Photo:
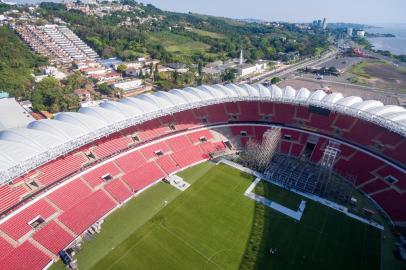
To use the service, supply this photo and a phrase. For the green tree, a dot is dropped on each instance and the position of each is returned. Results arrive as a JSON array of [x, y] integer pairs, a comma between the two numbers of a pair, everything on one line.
[[229, 75], [275, 80], [105, 89], [122, 68]]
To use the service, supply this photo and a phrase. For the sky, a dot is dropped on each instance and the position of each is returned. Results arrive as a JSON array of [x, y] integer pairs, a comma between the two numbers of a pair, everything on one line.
[[356, 11]]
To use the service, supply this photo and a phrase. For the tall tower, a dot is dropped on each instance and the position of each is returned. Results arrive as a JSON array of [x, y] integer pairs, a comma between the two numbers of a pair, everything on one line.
[[241, 58], [324, 25]]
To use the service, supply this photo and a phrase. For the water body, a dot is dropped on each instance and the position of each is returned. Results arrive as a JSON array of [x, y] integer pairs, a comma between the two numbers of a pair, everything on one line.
[[396, 45]]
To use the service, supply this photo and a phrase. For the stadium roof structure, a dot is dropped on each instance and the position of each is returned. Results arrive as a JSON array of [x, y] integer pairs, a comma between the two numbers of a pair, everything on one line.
[[12, 114], [24, 149]]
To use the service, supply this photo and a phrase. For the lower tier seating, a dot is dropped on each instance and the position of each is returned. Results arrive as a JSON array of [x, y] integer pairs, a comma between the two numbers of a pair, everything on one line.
[[143, 176], [19, 225], [25, 257], [118, 190], [53, 237], [87, 212]]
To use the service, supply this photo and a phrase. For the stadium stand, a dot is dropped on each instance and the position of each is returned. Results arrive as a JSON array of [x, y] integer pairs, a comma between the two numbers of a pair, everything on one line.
[[118, 190], [155, 150], [5, 248], [24, 257], [142, 177], [70, 194], [22, 223], [53, 237], [375, 158], [167, 164], [89, 210], [131, 161], [109, 146], [195, 137], [10, 196], [61, 167], [189, 156], [101, 174]]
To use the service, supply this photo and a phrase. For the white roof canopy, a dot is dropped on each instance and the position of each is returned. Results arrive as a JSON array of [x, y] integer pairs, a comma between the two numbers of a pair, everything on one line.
[[24, 148]]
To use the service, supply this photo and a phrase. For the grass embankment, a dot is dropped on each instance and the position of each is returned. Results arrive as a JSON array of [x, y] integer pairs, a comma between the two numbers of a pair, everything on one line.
[[181, 45]]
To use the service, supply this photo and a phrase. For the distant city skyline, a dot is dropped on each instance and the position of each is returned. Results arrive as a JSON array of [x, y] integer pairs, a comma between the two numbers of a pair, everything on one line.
[[360, 11]]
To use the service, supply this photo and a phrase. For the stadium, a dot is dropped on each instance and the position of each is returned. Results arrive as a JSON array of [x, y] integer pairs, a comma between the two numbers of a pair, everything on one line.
[[100, 188]]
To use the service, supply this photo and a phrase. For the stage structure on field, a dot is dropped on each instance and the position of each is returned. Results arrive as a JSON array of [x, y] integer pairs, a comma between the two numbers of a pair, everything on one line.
[[258, 155]]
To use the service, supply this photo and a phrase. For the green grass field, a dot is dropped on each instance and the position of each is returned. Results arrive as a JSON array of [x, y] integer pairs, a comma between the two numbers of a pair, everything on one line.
[[276, 194], [212, 225], [179, 44], [207, 33]]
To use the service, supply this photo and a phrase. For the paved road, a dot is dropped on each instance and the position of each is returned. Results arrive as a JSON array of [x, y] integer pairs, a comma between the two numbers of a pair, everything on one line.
[[292, 68]]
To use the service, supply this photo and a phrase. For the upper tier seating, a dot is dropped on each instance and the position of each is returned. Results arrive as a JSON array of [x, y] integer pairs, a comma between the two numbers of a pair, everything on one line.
[[87, 212], [53, 237], [216, 114], [60, 168], [232, 108], [185, 120], [10, 196], [284, 114], [249, 111], [111, 145], [151, 129]]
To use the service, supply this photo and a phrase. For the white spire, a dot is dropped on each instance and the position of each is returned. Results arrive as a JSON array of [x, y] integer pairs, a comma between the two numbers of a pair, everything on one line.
[[241, 58]]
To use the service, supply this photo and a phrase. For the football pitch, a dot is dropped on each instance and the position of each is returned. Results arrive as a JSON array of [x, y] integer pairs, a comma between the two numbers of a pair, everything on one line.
[[212, 225]]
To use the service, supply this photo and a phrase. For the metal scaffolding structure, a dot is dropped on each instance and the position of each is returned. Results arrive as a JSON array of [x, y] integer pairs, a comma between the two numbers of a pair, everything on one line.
[[327, 161], [257, 156]]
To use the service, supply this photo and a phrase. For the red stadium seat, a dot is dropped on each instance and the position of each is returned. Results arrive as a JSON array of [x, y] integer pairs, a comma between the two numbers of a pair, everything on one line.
[[10, 196], [53, 237], [167, 164], [143, 176], [94, 177], [60, 168], [5, 248], [189, 156], [87, 212], [25, 257], [109, 146], [131, 161], [195, 136], [17, 226], [178, 143], [118, 190], [70, 194], [151, 150]]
